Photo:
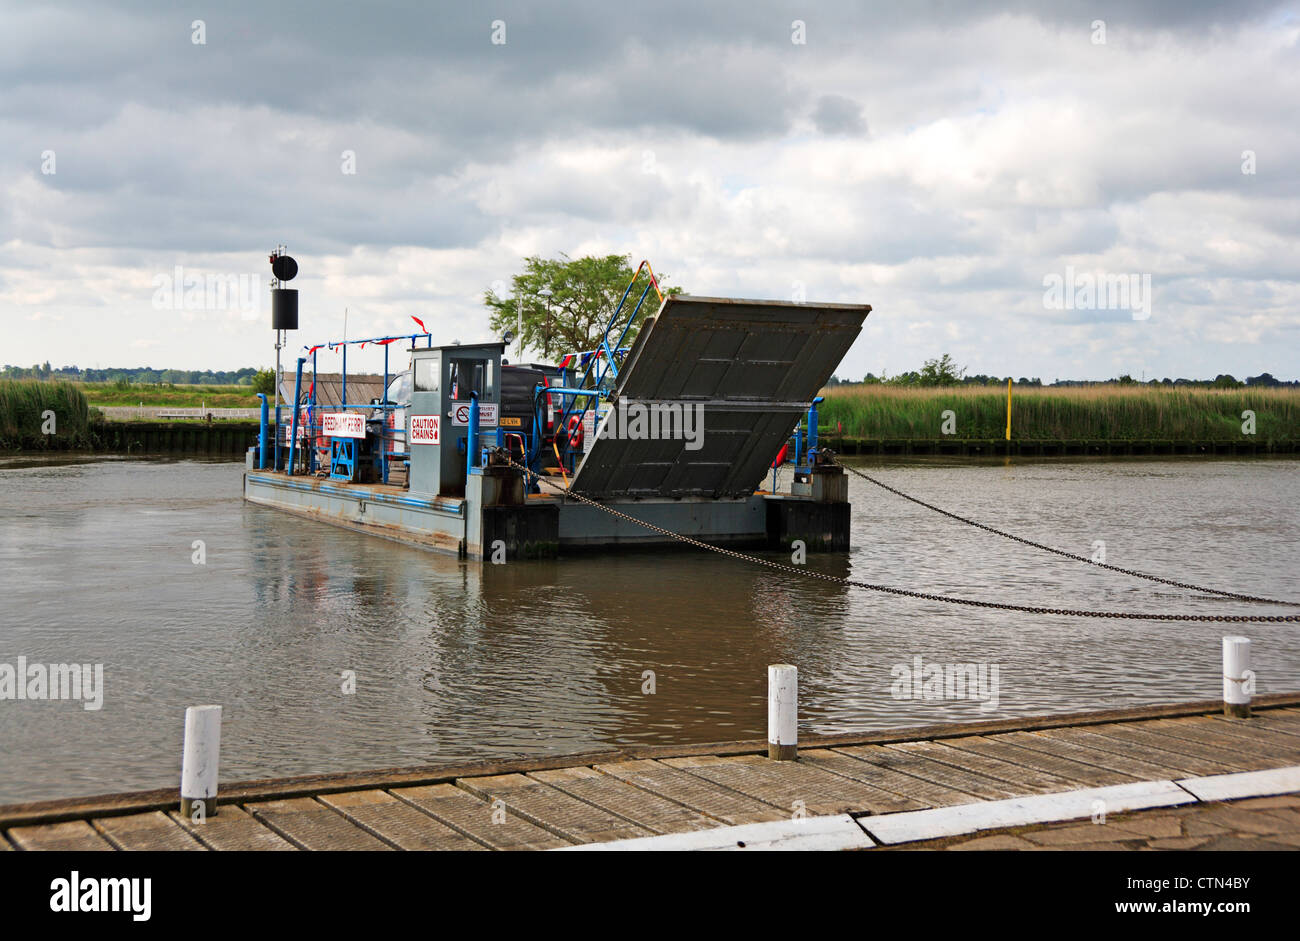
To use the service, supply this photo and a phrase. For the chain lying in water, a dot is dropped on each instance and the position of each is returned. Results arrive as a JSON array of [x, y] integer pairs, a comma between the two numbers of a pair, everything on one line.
[[1068, 555], [903, 592]]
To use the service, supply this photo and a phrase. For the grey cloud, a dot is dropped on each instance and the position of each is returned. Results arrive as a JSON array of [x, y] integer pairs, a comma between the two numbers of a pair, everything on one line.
[[836, 114]]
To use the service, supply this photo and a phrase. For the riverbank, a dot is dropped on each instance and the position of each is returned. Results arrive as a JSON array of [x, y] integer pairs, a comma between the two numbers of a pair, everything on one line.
[[1099, 414], [858, 420], [1000, 447], [41, 416]]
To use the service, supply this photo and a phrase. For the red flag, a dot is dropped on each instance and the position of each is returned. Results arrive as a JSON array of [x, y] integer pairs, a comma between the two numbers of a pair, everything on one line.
[[385, 342], [420, 322], [315, 348]]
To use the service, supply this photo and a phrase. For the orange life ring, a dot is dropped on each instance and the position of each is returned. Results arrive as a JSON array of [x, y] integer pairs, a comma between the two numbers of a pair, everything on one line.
[[573, 432]]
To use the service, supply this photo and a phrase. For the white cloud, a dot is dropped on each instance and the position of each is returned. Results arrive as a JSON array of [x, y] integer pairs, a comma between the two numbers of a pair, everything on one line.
[[988, 153]]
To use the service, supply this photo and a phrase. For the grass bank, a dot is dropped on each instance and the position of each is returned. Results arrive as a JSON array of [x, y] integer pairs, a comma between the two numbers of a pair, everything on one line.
[[105, 394], [25, 422], [1104, 413]]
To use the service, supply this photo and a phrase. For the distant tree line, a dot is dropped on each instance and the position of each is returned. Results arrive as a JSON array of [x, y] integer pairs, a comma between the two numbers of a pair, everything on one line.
[[142, 375], [945, 372]]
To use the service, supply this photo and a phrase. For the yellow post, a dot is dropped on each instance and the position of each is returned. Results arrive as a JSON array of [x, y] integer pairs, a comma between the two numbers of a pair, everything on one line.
[[1008, 408]]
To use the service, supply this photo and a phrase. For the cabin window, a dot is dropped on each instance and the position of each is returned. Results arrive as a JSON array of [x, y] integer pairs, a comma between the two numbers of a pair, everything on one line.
[[472, 375], [426, 374]]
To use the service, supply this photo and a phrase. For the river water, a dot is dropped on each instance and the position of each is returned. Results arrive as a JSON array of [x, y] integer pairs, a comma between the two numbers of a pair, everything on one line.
[[458, 660]]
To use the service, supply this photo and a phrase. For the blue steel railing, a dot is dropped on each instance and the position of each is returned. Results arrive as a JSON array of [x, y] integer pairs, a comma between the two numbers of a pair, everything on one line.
[[313, 427]]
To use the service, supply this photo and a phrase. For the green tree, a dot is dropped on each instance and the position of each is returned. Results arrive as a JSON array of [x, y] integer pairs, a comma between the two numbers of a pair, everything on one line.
[[264, 381], [941, 372], [584, 295]]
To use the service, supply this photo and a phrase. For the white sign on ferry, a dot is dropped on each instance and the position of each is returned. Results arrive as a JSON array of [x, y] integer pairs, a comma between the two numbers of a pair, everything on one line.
[[344, 425], [424, 429], [303, 430]]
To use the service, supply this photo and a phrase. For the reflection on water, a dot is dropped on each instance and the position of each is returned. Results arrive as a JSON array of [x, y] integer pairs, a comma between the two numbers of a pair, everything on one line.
[[458, 660]]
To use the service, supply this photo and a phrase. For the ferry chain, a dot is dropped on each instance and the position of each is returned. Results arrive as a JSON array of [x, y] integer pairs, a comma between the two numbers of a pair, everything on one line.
[[1061, 552], [902, 592]]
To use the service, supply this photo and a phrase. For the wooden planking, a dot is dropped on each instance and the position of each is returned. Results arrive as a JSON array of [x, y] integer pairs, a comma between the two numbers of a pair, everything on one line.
[[1258, 741], [907, 761], [654, 813], [839, 832], [682, 787], [1274, 725], [556, 804], [311, 825], [1005, 746], [1022, 780], [397, 822], [551, 809], [783, 783], [1173, 766], [919, 792], [1158, 747], [1050, 742], [830, 790], [1274, 708], [233, 829], [1237, 760], [464, 812], [76, 835], [1273, 720], [152, 831]]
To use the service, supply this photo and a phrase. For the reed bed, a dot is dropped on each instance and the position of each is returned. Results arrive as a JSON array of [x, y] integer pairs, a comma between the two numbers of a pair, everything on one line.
[[23, 403], [1101, 413]]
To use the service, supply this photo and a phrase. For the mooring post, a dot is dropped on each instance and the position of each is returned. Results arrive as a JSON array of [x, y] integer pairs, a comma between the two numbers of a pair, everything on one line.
[[199, 764], [782, 712], [1236, 677]]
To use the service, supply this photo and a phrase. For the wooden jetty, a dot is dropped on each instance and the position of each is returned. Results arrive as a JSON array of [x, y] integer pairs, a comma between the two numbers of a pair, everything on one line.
[[632, 793]]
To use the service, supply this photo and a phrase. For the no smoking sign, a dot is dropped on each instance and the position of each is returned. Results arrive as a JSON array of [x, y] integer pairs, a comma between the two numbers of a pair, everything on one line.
[[487, 414]]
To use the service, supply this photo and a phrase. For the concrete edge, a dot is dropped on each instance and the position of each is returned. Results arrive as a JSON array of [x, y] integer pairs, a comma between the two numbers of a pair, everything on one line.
[[1094, 802], [829, 832], [1241, 784]]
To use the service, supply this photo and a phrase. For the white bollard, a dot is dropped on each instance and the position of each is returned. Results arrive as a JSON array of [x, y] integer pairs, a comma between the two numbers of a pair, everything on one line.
[[199, 764], [782, 712], [1237, 678]]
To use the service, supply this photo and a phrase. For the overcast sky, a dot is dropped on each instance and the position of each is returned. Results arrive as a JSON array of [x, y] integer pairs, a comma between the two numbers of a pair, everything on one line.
[[935, 160]]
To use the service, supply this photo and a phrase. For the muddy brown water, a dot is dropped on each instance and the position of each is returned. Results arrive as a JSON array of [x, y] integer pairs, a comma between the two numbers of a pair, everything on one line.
[[457, 660]]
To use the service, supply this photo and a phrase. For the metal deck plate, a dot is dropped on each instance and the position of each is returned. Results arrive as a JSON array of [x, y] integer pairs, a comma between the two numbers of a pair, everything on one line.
[[755, 366]]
